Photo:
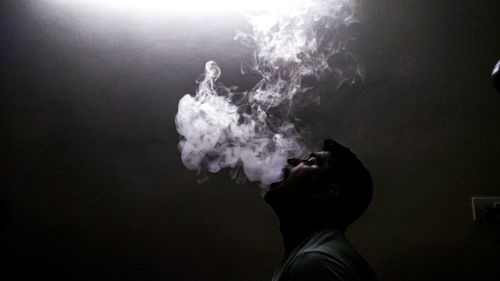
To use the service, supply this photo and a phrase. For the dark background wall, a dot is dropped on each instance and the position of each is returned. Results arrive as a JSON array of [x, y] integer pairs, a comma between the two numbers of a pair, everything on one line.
[[92, 178]]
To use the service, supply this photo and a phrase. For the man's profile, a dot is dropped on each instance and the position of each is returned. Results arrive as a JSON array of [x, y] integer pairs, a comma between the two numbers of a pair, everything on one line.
[[315, 202]]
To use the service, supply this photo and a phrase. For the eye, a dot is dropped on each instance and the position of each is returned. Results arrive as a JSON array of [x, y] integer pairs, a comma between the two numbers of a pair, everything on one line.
[[311, 161]]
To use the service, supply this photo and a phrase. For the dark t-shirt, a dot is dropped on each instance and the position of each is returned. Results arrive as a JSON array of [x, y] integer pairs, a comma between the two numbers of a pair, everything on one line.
[[324, 256]]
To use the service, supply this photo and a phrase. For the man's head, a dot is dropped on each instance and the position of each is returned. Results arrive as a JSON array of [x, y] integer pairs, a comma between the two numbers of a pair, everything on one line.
[[331, 187]]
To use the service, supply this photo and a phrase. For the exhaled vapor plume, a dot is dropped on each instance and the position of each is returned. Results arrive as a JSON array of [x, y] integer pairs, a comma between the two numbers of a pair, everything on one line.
[[254, 131]]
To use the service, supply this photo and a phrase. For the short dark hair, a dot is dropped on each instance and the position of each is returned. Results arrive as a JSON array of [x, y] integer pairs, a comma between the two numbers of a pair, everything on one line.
[[354, 180]]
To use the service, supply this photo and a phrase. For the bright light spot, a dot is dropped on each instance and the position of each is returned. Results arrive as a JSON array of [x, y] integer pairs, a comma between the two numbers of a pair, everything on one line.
[[188, 6]]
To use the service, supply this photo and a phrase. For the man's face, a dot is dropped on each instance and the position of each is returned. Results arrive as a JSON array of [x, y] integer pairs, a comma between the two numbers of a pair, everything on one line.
[[302, 177]]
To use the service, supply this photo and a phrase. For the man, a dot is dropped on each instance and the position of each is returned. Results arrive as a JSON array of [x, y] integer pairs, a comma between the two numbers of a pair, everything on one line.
[[317, 200]]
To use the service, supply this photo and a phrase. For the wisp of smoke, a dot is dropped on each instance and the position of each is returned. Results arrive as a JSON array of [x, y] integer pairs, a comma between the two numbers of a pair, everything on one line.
[[254, 131]]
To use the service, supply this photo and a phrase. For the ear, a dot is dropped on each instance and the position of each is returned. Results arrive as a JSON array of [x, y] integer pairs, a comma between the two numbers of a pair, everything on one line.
[[328, 191]]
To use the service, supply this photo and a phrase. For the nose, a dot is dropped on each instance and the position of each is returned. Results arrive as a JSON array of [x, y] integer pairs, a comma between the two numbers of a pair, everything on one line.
[[293, 162]]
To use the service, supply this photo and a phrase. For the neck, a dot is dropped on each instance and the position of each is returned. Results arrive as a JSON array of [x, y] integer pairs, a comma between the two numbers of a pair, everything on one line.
[[296, 229]]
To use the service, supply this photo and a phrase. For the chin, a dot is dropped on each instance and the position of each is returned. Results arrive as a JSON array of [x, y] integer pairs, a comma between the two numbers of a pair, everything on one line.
[[276, 185], [272, 194], [273, 185]]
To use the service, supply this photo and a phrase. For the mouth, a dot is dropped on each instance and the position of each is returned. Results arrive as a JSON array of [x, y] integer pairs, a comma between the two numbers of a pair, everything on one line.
[[274, 185], [286, 173]]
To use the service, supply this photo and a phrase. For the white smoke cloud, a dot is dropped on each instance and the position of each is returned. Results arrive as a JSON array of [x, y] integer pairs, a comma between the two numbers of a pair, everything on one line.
[[255, 131]]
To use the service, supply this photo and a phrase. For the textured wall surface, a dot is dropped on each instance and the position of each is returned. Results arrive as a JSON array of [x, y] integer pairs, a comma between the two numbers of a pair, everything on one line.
[[92, 178]]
